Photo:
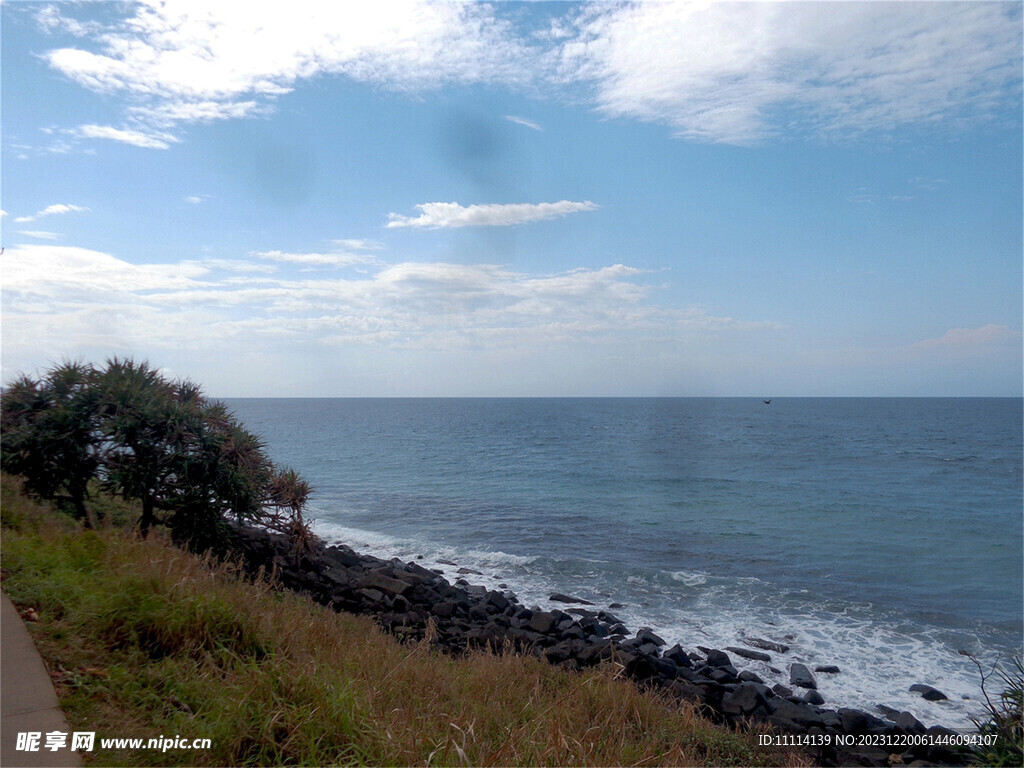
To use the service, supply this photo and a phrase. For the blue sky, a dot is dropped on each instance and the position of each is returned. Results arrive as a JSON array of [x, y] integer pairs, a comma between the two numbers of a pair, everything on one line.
[[424, 199]]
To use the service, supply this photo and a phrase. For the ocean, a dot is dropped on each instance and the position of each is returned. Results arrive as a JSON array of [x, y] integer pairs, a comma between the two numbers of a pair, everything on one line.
[[879, 535]]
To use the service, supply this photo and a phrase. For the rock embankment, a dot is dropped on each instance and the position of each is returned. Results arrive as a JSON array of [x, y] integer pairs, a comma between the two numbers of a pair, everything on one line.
[[406, 599]]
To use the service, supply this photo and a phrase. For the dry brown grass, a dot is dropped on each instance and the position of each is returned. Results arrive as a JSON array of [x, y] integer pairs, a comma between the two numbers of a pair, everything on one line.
[[147, 640]]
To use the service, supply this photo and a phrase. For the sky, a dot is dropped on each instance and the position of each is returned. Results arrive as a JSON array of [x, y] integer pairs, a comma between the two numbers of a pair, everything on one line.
[[411, 198]]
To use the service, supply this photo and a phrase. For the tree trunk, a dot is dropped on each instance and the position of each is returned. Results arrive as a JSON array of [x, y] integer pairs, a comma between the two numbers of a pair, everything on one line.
[[147, 519]]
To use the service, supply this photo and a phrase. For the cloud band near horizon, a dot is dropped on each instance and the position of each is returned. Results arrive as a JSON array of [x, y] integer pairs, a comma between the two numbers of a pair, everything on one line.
[[451, 215]]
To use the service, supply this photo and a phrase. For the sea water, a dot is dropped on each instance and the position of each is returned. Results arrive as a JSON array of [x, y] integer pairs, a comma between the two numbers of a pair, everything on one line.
[[883, 536]]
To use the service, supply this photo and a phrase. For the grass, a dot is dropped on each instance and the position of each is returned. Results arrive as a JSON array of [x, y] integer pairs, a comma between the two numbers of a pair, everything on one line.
[[145, 640]]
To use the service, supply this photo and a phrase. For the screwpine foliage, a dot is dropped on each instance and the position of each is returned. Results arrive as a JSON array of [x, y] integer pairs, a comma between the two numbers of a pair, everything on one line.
[[186, 459], [1004, 715]]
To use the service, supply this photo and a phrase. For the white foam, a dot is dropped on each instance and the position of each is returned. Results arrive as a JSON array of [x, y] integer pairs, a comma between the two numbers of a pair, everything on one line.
[[689, 578], [879, 659]]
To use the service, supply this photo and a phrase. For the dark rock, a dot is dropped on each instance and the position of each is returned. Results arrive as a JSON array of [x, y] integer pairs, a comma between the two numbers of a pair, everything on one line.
[[801, 676], [640, 666], [813, 697], [830, 669], [747, 654], [609, 618], [802, 715], [717, 658], [767, 645], [929, 693], [582, 613], [678, 655], [858, 723], [909, 723], [782, 690], [560, 598], [744, 700], [618, 629], [602, 650], [559, 651], [542, 622], [574, 632], [887, 712], [645, 635], [723, 675], [498, 600], [867, 755], [749, 677], [469, 571]]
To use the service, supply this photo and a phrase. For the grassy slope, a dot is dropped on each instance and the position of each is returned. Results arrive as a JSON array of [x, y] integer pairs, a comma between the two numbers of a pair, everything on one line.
[[144, 640]]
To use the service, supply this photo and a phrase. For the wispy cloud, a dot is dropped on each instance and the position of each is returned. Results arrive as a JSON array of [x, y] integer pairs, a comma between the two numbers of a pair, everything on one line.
[[973, 338], [317, 259], [523, 121], [743, 72], [50, 210], [408, 305], [448, 215], [719, 72], [144, 139], [187, 61], [40, 234], [357, 244]]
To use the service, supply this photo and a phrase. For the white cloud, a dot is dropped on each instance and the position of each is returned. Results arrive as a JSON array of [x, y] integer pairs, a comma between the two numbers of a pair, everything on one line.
[[440, 215], [741, 72], [39, 234], [713, 71], [193, 199], [51, 20], [144, 139], [972, 338], [192, 61], [523, 121], [50, 210], [316, 259], [409, 305], [357, 244]]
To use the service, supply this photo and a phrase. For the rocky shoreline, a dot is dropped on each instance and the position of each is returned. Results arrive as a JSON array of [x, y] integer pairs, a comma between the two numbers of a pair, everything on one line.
[[411, 601]]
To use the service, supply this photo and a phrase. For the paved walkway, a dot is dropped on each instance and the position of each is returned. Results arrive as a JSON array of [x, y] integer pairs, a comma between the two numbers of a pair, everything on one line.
[[27, 700]]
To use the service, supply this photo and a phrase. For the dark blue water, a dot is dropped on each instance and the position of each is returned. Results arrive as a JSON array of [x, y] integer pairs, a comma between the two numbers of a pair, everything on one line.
[[881, 535]]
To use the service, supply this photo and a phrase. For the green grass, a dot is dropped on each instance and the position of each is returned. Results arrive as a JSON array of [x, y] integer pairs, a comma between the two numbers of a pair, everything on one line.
[[144, 640]]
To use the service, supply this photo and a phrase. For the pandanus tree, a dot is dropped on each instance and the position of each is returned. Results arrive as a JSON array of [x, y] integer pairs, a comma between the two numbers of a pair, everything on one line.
[[186, 459], [50, 433]]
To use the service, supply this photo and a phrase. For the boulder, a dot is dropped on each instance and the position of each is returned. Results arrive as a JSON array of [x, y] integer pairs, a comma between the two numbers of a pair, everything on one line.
[[887, 712], [542, 622], [767, 645], [800, 676], [717, 658], [645, 635], [744, 700], [829, 669], [813, 697], [678, 655], [748, 654], [560, 598], [929, 693], [909, 723]]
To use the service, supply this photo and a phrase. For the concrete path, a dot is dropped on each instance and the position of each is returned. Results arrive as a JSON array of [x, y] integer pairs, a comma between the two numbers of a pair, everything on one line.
[[28, 703]]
